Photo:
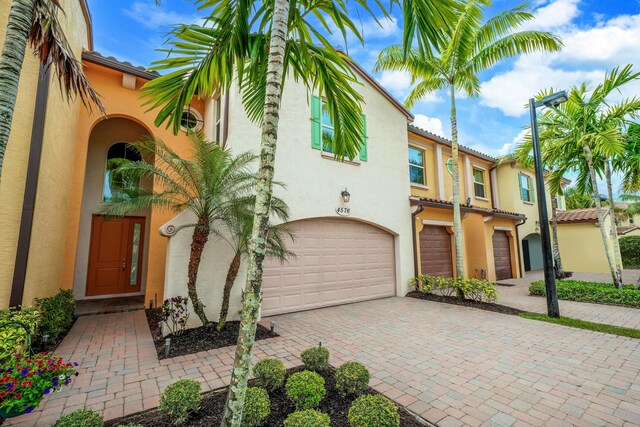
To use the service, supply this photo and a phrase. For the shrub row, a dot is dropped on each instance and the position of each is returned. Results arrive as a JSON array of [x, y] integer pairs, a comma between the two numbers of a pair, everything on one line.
[[630, 251], [600, 293], [474, 289]]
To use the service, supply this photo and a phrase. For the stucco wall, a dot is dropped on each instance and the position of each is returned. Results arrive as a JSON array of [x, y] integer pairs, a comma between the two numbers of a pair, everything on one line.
[[581, 247], [379, 187], [46, 255]]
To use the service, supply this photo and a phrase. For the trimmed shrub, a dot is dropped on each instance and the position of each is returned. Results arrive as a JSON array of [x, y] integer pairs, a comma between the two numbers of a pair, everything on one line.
[[305, 389], [180, 398], [478, 290], [13, 337], [599, 293], [373, 410], [473, 289], [308, 418], [270, 373], [80, 418], [316, 358], [257, 407], [57, 314], [630, 251], [352, 378]]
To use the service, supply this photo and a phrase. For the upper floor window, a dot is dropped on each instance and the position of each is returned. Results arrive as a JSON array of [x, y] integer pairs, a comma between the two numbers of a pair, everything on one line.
[[116, 184], [416, 166], [478, 183], [526, 188], [322, 130]]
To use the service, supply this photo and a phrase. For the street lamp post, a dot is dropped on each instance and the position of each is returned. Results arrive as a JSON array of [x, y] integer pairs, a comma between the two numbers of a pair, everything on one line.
[[553, 310]]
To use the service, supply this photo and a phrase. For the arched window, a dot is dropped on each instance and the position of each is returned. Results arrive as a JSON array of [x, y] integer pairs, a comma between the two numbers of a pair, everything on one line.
[[116, 185]]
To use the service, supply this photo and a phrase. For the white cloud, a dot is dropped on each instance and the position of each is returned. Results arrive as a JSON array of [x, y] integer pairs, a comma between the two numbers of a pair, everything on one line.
[[430, 124], [151, 16], [555, 14], [384, 28]]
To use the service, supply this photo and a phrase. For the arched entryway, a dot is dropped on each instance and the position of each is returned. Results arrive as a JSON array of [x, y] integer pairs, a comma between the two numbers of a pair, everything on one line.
[[112, 253], [337, 261], [532, 252]]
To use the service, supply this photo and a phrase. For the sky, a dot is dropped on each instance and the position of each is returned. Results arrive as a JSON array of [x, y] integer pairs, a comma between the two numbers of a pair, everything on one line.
[[597, 34]]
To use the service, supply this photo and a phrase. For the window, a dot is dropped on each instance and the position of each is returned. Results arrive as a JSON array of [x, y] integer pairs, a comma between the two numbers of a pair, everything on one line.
[[190, 121], [322, 131], [218, 118], [478, 183], [327, 130], [526, 188], [116, 184], [416, 166]]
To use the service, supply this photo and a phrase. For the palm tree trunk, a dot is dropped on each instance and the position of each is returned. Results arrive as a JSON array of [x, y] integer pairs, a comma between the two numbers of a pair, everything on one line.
[[457, 219], [258, 244], [198, 241], [617, 280], [557, 261], [232, 273], [15, 45], [614, 226]]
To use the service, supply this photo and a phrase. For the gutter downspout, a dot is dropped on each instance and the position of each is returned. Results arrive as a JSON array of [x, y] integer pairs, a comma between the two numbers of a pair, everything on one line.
[[30, 189], [518, 244], [413, 233]]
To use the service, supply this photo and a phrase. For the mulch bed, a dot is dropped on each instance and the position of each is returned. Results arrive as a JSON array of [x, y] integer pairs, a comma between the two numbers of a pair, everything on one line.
[[195, 340], [212, 406], [497, 308]]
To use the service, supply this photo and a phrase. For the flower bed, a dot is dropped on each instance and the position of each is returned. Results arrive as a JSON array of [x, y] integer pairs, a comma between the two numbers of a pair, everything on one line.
[[594, 292]]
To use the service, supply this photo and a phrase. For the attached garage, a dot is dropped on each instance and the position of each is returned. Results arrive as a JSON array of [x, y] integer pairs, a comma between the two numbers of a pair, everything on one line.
[[435, 251], [502, 255], [337, 261]]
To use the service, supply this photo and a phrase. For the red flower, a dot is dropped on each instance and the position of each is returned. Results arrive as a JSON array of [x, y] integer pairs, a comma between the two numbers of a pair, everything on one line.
[[26, 383], [17, 396], [3, 394]]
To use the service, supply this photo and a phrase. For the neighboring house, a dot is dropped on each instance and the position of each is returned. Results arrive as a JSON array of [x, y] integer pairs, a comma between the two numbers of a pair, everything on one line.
[[628, 230], [490, 242]]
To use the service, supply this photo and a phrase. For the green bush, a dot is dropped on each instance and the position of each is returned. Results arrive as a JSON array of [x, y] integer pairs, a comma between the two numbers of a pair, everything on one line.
[[599, 293], [257, 407], [473, 289], [434, 284], [57, 314], [373, 410], [80, 418], [270, 373], [13, 337], [180, 398], [478, 290], [130, 425], [316, 359], [630, 251], [308, 418], [305, 389], [352, 378]]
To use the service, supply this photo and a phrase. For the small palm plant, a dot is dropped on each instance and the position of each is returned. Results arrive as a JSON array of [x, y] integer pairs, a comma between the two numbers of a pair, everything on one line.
[[211, 184], [237, 233]]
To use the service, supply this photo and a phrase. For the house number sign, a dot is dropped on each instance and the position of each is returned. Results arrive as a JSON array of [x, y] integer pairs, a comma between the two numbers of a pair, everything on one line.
[[343, 211]]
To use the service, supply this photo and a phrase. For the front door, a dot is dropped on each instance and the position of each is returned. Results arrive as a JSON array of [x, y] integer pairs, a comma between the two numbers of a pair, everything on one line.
[[115, 255]]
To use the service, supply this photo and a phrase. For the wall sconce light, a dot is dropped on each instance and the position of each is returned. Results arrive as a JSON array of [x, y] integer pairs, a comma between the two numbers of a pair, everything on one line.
[[346, 196], [468, 200]]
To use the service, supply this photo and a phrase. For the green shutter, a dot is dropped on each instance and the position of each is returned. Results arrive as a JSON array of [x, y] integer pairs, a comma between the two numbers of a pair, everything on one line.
[[520, 186], [316, 123], [533, 190], [363, 149]]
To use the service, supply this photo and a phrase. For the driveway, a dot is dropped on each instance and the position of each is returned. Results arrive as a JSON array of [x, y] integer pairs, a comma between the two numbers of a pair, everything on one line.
[[451, 365]]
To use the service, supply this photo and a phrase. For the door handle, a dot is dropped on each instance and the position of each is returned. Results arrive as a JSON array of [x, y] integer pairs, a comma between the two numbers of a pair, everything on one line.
[[124, 263]]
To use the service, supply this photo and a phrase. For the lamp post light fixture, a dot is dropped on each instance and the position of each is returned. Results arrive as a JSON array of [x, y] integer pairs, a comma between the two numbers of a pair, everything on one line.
[[553, 101], [346, 196]]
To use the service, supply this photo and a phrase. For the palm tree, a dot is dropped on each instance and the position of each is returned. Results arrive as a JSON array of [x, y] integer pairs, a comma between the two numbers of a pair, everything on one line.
[[584, 134], [470, 48], [575, 199], [211, 184], [237, 234], [258, 45], [35, 22], [629, 164]]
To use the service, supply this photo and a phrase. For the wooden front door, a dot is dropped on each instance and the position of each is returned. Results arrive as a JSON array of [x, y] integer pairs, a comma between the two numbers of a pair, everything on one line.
[[115, 255]]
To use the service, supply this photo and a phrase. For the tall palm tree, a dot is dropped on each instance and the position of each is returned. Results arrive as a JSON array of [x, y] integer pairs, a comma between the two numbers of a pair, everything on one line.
[[584, 134], [575, 199], [629, 164], [470, 48], [236, 232], [211, 184], [258, 44], [35, 22]]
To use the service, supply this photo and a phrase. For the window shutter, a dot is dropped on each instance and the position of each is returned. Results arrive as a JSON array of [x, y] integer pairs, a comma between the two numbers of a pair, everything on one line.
[[316, 123], [363, 149], [520, 186], [533, 190]]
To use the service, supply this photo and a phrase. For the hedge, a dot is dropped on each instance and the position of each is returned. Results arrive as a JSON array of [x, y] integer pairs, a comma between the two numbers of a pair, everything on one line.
[[595, 292], [630, 250]]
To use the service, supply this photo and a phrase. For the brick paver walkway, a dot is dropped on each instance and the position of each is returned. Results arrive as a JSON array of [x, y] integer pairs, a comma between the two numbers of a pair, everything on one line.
[[518, 296], [453, 365]]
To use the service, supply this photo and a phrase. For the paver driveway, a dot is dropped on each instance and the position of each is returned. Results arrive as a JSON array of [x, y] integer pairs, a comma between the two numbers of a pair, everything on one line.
[[452, 365]]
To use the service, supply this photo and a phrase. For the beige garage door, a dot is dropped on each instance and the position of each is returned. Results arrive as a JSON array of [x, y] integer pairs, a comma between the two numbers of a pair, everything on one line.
[[338, 261]]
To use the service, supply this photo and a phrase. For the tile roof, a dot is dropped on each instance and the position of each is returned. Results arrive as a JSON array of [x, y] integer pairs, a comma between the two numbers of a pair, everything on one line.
[[467, 207], [116, 64], [426, 134], [625, 229], [578, 215]]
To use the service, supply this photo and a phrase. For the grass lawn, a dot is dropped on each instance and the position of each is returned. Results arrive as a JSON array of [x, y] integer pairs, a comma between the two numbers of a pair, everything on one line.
[[581, 324]]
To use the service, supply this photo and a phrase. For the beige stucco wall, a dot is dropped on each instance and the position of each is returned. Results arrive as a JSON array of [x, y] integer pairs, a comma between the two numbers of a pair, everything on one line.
[[54, 186], [581, 247], [379, 187]]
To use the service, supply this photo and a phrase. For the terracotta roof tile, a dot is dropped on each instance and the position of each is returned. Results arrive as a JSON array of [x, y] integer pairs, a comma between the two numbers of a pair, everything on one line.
[[627, 229], [467, 207], [578, 215]]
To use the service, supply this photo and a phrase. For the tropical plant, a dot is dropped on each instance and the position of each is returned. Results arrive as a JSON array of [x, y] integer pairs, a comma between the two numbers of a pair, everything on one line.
[[629, 164], [584, 134], [470, 48], [576, 199], [210, 184], [17, 326], [35, 22]]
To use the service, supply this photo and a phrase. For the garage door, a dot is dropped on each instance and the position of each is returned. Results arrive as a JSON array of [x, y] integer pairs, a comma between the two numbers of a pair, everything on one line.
[[435, 251], [338, 261], [502, 255]]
